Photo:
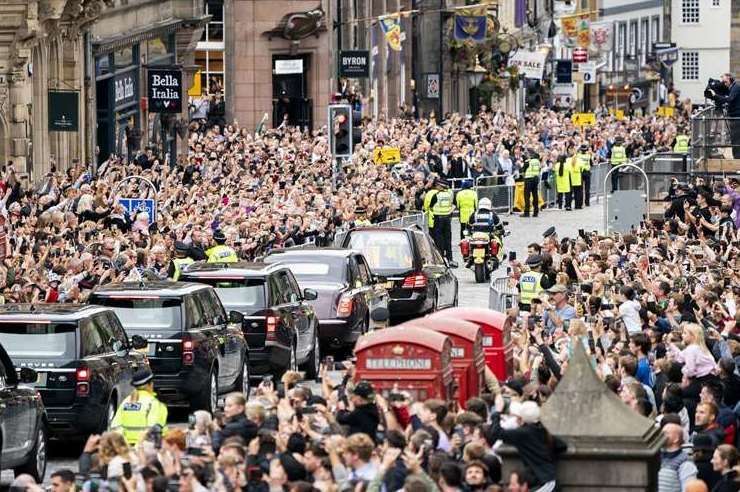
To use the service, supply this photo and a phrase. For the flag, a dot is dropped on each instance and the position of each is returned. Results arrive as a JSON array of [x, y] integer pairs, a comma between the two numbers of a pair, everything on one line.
[[392, 29], [570, 28], [470, 27], [520, 13], [583, 36], [601, 35], [373, 49]]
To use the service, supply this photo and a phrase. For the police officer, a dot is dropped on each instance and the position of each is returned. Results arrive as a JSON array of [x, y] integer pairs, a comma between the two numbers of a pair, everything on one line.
[[361, 220], [576, 183], [583, 159], [467, 202], [562, 182], [441, 205], [140, 411], [427, 208], [618, 156], [180, 260], [530, 283], [485, 219], [531, 184], [221, 253]]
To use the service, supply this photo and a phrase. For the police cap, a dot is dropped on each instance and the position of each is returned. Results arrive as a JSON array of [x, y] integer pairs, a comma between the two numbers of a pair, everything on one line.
[[181, 247], [583, 148], [549, 232], [142, 377], [534, 260], [219, 236]]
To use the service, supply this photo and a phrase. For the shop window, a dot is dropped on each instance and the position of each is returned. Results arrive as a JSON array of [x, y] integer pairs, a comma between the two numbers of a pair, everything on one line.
[[102, 65], [158, 50], [124, 57]]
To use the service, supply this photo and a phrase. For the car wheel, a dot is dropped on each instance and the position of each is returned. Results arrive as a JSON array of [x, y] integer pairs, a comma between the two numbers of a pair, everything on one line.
[[36, 464], [208, 398], [293, 364], [110, 413], [242, 382], [312, 368]]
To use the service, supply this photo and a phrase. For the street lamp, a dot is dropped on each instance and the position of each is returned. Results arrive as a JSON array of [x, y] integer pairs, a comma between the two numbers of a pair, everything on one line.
[[476, 73]]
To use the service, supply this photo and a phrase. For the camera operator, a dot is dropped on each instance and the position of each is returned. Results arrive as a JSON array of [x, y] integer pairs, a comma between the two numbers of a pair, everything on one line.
[[732, 101]]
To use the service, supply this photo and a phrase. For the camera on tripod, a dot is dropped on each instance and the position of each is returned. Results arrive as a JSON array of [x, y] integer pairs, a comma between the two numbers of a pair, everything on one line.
[[717, 86]]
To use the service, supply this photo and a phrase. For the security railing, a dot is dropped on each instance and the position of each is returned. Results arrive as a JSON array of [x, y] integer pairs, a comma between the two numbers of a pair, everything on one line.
[[415, 219], [502, 294], [711, 137]]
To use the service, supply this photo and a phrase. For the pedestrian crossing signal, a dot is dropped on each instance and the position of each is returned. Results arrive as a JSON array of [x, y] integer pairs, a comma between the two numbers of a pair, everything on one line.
[[340, 130]]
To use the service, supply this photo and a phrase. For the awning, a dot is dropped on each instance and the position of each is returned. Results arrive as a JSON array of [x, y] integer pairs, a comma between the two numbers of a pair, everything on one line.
[[163, 28]]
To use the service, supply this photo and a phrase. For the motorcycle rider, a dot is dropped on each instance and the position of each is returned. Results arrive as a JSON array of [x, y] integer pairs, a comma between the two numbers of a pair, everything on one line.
[[485, 219]]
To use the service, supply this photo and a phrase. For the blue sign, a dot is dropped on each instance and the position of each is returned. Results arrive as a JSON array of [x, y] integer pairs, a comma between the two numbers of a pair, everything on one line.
[[136, 205]]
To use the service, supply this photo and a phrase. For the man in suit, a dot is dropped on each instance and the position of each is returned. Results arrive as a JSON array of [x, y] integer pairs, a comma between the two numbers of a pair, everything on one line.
[[732, 103]]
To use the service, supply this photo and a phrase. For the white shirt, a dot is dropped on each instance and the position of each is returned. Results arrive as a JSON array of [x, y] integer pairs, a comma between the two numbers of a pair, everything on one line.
[[630, 313]]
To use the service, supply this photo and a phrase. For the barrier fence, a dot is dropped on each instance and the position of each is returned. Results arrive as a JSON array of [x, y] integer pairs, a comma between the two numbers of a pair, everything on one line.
[[416, 219], [502, 295]]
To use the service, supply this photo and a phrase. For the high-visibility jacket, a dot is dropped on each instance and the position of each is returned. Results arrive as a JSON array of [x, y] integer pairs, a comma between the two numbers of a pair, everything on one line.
[[362, 223], [467, 203], [575, 171], [443, 205], [584, 161], [682, 144], [221, 254], [533, 169], [562, 183], [530, 287], [179, 264], [619, 155], [427, 205], [138, 413]]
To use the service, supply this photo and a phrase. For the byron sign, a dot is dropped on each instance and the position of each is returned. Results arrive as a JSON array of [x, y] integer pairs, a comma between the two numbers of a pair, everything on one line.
[[164, 90]]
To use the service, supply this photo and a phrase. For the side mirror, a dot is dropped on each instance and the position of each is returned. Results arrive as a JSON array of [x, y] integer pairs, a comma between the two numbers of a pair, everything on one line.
[[138, 342], [310, 294], [27, 375], [236, 317], [119, 348]]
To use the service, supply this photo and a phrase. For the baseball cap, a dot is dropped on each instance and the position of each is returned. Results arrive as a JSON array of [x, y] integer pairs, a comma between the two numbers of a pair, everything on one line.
[[363, 389], [557, 289]]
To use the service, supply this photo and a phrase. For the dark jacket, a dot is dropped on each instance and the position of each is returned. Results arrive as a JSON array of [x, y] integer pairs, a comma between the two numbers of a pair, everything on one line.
[[732, 100], [236, 426], [728, 483], [537, 448], [364, 418]]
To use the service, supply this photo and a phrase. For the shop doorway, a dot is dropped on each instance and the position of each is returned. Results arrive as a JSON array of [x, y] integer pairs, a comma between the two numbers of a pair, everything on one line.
[[290, 91]]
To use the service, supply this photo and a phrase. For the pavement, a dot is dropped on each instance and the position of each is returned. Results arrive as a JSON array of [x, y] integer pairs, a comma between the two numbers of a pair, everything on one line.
[[523, 231]]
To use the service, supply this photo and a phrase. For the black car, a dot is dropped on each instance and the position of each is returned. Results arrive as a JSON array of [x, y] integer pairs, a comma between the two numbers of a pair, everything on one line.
[[22, 420], [417, 277], [83, 358], [194, 350], [348, 292], [279, 323]]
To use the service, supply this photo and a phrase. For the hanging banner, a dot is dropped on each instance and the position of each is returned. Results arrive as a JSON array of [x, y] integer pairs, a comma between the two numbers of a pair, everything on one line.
[[470, 26], [164, 88], [530, 63], [583, 36], [570, 28], [601, 36], [64, 111], [392, 30]]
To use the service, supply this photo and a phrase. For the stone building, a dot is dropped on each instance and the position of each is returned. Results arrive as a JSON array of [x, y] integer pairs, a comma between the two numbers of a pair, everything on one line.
[[97, 49]]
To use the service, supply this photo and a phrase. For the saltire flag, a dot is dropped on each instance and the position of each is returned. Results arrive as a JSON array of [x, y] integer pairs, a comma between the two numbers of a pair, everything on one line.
[[470, 27], [391, 26]]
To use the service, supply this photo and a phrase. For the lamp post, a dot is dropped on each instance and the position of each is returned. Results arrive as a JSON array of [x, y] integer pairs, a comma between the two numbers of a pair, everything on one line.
[[475, 77]]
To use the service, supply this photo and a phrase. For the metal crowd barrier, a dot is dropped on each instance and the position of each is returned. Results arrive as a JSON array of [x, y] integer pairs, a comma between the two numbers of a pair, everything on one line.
[[502, 295], [416, 219]]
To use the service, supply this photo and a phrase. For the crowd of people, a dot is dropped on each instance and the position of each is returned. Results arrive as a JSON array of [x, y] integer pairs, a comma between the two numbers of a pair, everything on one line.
[[655, 309]]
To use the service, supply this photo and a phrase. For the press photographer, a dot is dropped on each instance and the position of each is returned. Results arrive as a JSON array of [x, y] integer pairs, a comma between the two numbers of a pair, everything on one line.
[[731, 102]]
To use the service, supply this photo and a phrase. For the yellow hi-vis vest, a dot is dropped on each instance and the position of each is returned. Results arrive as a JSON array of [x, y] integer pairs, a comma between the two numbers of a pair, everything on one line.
[[134, 418], [467, 202], [584, 161], [575, 172], [619, 155], [682, 144], [426, 207], [179, 263], [533, 170], [529, 287], [221, 254], [562, 183], [443, 205]]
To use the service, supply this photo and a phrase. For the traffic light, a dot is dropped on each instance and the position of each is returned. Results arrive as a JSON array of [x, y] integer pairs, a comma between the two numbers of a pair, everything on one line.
[[340, 130], [356, 128]]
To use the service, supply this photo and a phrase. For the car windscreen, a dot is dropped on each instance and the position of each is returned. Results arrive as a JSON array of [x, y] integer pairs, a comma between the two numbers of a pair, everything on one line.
[[385, 251], [144, 313], [237, 294], [35, 340], [317, 269]]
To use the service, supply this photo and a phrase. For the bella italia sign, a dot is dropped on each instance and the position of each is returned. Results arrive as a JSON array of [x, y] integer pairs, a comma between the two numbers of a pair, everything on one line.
[[164, 89]]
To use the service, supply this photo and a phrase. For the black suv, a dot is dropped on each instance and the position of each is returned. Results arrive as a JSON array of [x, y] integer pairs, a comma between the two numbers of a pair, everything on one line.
[[279, 323], [22, 421], [83, 358], [195, 352], [418, 278]]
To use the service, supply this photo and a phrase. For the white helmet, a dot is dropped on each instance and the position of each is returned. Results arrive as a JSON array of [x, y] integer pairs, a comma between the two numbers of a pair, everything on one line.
[[484, 204]]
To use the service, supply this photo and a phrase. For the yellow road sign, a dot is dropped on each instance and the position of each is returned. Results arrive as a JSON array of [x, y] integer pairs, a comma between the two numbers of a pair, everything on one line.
[[387, 155], [665, 111], [618, 113], [583, 119]]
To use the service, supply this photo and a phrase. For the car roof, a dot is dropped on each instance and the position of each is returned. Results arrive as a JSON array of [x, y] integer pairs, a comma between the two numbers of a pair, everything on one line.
[[163, 288], [412, 228], [315, 252], [202, 269], [49, 312]]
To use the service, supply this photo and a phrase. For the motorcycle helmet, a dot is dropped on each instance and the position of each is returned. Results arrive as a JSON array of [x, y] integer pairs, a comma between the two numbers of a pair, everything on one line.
[[484, 204]]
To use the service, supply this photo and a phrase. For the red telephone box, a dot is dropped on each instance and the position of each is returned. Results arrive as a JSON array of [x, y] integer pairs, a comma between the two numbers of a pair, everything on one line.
[[416, 360], [468, 360], [496, 327]]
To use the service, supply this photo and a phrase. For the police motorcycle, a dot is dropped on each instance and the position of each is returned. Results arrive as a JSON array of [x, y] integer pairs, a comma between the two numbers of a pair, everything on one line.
[[482, 246]]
